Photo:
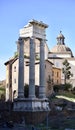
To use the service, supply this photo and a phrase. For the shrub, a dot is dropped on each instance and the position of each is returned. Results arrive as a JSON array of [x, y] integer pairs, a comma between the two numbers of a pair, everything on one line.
[[56, 88], [73, 90], [2, 97], [67, 86]]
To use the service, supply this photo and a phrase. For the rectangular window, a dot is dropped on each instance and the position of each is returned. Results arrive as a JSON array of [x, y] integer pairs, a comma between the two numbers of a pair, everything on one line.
[[14, 80], [57, 74], [14, 68], [52, 73]]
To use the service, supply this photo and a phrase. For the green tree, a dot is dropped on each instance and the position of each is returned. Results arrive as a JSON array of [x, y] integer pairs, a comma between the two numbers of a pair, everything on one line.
[[15, 54], [66, 71]]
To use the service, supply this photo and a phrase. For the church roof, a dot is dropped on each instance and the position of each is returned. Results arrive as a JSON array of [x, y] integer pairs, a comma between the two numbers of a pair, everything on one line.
[[61, 47]]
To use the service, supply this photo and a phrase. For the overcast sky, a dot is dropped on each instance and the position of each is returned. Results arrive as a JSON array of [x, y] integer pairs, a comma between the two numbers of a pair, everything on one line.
[[15, 14]]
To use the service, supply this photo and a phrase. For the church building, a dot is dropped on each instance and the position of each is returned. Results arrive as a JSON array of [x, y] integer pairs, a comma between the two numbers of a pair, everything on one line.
[[59, 53]]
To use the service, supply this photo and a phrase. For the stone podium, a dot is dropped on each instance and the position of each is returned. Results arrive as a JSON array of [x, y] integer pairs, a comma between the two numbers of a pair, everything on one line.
[[32, 106]]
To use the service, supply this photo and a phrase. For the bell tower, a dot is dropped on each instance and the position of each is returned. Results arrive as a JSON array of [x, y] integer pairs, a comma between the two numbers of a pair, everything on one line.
[[60, 39]]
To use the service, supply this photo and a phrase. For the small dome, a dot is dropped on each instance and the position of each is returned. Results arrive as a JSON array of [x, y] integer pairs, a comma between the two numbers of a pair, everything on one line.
[[60, 36], [61, 49], [60, 39]]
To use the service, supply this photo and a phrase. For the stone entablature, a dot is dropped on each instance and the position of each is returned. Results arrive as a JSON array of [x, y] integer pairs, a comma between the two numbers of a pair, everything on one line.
[[34, 29]]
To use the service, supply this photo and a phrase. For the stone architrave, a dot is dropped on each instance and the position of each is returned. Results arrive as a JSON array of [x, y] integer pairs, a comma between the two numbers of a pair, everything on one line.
[[21, 69], [32, 69], [42, 71]]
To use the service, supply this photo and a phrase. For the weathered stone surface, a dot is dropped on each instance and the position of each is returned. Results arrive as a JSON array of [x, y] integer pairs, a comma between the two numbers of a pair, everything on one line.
[[35, 29], [35, 109]]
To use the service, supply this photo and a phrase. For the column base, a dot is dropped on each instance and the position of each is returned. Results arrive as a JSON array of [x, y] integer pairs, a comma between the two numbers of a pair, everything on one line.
[[31, 104], [33, 110]]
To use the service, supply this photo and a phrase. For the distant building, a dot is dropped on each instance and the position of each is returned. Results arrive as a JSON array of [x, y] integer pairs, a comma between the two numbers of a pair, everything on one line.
[[12, 77], [56, 75], [9, 79], [58, 54]]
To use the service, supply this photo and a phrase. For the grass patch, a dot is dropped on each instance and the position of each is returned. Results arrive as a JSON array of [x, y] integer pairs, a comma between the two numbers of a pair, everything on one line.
[[67, 95], [2, 92], [69, 99], [2, 89]]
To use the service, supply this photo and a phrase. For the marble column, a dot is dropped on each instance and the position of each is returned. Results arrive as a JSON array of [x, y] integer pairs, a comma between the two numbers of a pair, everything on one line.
[[32, 69], [42, 71], [21, 69]]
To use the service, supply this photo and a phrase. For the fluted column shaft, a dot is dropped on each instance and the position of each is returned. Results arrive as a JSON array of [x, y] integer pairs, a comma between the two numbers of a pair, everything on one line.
[[42, 71], [21, 69], [32, 69]]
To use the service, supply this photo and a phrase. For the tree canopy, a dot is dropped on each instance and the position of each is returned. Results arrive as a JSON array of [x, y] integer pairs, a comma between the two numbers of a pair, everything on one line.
[[66, 70]]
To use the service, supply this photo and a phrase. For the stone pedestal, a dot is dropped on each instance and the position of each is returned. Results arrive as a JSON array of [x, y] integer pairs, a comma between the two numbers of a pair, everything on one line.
[[33, 111], [28, 104]]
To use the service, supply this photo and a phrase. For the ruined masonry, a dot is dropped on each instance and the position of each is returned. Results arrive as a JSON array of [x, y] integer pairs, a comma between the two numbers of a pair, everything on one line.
[[33, 30]]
